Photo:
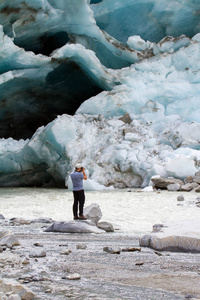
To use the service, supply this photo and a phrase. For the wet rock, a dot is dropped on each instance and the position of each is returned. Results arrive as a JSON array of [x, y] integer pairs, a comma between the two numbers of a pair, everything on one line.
[[162, 182], [8, 239], [93, 212], [81, 246], [174, 187], [180, 198], [11, 285], [131, 249], [108, 227], [37, 254], [189, 186], [74, 227]]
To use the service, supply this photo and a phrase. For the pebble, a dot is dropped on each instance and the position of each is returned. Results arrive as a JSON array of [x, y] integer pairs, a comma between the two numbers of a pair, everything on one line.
[[131, 249], [74, 276], [180, 198], [81, 246], [65, 252], [111, 250]]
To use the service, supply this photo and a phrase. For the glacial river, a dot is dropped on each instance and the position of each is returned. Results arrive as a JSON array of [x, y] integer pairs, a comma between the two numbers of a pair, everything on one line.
[[131, 213]]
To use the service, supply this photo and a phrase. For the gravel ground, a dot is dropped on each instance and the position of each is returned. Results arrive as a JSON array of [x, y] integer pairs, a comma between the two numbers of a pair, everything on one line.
[[144, 274]]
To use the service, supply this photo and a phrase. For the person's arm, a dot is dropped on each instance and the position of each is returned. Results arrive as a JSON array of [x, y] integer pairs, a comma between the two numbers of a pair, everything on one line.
[[85, 176]]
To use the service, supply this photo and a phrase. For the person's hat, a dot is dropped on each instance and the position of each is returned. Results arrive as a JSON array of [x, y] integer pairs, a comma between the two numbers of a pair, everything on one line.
[[78, 166]]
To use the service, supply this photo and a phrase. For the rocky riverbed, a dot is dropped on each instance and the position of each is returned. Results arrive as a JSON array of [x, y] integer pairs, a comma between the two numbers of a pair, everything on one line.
[[102, 266]]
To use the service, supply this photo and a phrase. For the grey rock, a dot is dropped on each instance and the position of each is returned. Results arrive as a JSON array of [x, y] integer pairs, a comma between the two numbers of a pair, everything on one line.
[[197, 190], [74, 227], [42, 220], [81, 246], [197, 177], [126, 118], [108, 227], [188, 179], [174, 187], [189, 186], [162, 182], [2, 217], [37, 254], [112, 250], [157, 227], [93, 212], [8, 239], [145, 241], [180, 198]]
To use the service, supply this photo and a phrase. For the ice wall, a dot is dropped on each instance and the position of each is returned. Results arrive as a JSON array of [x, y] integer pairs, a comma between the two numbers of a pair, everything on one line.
[[56, 61]]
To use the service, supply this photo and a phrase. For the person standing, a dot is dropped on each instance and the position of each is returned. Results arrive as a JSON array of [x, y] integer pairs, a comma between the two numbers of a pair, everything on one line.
[[77, 178]]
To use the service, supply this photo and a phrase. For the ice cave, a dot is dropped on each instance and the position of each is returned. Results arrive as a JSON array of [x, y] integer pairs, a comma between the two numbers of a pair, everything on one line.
[[112, 84]]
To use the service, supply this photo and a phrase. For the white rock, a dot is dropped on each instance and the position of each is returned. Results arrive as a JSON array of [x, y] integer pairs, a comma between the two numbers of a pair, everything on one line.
[[93, 212], [74, 276]]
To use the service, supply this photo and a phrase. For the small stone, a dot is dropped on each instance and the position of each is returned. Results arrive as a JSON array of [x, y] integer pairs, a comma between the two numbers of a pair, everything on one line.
[[81, 246], [197, 190], [139, 263], [2, 217], [180, 198], [38, 245], [158, 253], [131, 249], [48, 291], [74, 276], [66, 252], [157, 227]]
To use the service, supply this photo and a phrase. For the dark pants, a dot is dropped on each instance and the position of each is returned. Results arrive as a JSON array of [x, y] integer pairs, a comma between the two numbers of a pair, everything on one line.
[[79, 199]]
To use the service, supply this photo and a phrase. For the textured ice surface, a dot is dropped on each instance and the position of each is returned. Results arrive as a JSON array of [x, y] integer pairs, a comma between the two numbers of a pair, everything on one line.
[[55, 60]]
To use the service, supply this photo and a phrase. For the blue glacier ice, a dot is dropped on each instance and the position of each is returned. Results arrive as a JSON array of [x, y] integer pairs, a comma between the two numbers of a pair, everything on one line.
[[112, 84]]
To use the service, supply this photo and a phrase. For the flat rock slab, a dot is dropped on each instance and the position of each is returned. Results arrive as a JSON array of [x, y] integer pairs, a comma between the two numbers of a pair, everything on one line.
[[183, 236], [74, 227]]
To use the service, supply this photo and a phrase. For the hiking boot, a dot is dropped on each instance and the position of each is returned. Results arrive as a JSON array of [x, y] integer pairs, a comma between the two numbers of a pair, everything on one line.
[[82, 217], [76, 218]]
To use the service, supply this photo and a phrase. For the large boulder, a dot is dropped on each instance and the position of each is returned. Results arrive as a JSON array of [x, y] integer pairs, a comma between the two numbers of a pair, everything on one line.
[[86, 226], [93, 212], [162, 182], [11, 285], [181, 236], [8, 239]]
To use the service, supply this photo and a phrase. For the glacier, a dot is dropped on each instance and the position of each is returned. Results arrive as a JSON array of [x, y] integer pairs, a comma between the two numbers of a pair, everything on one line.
[[112, 84]]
